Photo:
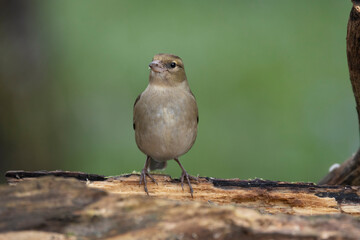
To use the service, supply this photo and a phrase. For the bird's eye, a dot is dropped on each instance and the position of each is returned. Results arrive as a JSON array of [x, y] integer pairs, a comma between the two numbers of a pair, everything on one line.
[[173, 64]]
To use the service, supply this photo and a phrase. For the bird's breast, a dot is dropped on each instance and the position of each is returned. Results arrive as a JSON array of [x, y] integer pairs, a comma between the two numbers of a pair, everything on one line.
[[166, 123]]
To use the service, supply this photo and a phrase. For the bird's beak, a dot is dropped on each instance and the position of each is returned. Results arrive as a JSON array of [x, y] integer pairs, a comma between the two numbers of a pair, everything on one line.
[[156, 66]]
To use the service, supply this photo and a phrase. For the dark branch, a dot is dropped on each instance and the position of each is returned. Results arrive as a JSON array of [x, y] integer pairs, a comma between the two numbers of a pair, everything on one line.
[[349, 171]]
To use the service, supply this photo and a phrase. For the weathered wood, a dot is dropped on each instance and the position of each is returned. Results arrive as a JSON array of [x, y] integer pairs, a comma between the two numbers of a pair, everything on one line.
[[36, 235], [32, 203], [267, 196], [349, 171], [66, 208], [13, 175]]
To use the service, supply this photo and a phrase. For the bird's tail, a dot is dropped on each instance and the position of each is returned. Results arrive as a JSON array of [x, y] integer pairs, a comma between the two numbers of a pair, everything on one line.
[[156, 165]]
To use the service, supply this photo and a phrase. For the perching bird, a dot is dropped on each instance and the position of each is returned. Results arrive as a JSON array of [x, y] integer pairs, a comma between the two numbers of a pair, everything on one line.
[[165, 117]]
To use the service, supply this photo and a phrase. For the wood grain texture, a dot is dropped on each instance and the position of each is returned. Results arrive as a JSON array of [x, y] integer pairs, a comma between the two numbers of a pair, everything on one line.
[[266, 196], [64, 208]]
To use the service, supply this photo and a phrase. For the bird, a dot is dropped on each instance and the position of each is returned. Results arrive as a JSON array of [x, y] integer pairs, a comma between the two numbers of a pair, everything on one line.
[[165, 117]]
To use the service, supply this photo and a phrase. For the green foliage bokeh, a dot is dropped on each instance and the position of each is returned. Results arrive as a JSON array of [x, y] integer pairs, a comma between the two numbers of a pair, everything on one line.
[[270, 78]]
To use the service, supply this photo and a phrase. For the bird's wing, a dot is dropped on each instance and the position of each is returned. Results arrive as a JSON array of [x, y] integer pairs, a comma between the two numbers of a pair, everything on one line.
[[137, 99], [197, 113]]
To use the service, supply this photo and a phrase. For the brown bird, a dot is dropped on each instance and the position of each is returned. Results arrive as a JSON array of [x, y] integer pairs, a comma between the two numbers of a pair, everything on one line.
[[165, 117]]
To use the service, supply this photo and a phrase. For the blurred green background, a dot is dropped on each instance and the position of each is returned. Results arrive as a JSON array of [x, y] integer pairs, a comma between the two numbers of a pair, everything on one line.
[[270, 77]]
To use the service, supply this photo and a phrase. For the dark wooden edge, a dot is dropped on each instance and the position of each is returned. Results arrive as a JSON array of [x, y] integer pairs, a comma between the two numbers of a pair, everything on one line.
[[19, 174]]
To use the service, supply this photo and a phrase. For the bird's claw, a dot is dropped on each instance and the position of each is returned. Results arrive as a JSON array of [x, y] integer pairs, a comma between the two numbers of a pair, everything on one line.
[[152, 178], [188, 177], [143, 175], [143, 180]]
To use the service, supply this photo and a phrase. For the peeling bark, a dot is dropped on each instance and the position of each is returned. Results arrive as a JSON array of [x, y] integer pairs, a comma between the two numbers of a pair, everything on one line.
[[66, 208], [266, 196]]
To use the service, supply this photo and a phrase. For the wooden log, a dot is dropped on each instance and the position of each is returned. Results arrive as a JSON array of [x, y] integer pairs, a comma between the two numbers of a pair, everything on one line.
[[59, 208], [267, 196]]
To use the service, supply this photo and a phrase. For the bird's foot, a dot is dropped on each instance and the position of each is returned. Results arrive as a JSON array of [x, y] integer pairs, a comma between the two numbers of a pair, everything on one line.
[[188, 177], [143, 175]]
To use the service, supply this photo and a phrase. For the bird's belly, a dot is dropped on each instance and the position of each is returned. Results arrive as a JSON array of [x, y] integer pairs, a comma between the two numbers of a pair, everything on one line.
[[167, 132]]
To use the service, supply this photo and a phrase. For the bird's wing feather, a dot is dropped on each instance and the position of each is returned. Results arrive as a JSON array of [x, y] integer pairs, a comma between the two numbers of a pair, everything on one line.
[[197, 116], [136, 101]]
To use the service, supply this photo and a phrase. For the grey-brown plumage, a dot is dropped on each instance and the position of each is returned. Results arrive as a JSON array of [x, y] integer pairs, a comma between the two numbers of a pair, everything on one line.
[[165, 116]]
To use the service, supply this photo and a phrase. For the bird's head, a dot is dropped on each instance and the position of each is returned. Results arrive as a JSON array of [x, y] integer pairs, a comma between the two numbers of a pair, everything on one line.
[[167, 69]]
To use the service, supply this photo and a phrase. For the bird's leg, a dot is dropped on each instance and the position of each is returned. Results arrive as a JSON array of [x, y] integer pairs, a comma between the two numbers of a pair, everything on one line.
[[145, 173], [188, 177]]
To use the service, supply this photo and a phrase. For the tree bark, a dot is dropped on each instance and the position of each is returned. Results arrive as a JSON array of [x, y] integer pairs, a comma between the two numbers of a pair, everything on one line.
[[353, 51], [348, 173], [267, 196], [117, 208]]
